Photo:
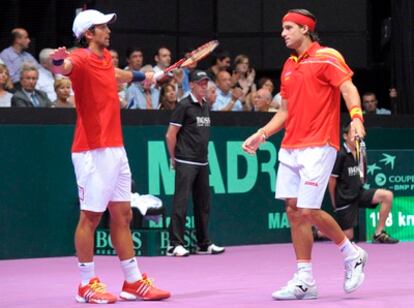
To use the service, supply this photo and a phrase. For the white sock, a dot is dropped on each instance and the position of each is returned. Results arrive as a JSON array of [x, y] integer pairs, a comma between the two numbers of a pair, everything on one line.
[[348, 249], [305, 271], [87, 272], [131, 270]]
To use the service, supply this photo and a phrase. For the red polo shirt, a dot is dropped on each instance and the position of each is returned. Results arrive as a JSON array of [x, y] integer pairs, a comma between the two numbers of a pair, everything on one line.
[[310, 84], [98, 122]]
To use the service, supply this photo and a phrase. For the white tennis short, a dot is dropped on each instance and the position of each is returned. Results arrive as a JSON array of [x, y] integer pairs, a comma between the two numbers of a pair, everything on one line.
[[304, 174], [102, 175]]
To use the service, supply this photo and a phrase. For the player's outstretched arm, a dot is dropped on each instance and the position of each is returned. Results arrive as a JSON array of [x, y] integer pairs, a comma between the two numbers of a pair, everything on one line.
[[123, 76], [272, 127], [61, 65]]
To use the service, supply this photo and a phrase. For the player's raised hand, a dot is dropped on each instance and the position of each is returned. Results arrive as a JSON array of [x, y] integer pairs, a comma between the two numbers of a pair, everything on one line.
[[58, 57], [59, 54]]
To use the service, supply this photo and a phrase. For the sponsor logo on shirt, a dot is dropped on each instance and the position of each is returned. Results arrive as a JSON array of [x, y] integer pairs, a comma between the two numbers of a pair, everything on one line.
[[203, 121], [287, 75], [352, 171]]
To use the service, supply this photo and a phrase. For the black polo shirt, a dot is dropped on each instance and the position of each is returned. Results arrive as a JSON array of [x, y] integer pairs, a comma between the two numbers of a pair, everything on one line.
[[346, 171], [194, 134]]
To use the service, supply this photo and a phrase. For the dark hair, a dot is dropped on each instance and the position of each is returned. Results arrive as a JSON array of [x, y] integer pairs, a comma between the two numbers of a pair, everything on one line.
[[312, 34], [131, 50], [163, 101], [83, 42], [369, 94], [220, 54], [347, 127], [157, 53], [263, 80]]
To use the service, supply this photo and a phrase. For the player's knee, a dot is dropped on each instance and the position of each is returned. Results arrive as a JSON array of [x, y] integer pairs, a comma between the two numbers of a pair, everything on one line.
[[123, 218], [128, 217], [389, 195], [385, 196], [292, 213], [306, 215], [90, 220]]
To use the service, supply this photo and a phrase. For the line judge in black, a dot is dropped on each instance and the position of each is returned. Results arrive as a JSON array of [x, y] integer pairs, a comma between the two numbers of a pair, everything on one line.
[[187, 140]]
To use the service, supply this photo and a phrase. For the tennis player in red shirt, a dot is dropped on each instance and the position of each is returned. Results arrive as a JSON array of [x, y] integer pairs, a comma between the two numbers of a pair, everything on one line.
[[99, 158], [312, 80]]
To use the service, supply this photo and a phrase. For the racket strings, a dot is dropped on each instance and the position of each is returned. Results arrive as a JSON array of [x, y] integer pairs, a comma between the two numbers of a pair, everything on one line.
[[200, 53]]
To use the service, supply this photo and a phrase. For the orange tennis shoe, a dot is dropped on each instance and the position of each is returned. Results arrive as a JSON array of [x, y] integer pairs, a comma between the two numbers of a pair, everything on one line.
[[95, 293], [142, 289]]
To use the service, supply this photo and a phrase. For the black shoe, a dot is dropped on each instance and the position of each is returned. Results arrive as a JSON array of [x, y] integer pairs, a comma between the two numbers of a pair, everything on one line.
[[384, 238]]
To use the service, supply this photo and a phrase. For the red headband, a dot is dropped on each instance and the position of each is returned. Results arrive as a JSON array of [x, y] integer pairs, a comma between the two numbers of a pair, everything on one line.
[[300, 20]]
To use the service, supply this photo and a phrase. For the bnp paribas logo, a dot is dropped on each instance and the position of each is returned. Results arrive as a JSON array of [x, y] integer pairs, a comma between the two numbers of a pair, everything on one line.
[[381, 169]]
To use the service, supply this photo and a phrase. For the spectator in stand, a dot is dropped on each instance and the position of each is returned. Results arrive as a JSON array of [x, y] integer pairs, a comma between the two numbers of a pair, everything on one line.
[[168, 97], [46, 77], [262, 100], [227, 98], [15, 55], [5, 96], [393, 99], [162, 59], [370, 103], [135, 58], [243, 75], [63, 88], [115, 57], [267, 83], [221, 62], [28, 96], [143, 95], [276, 102], [211, 94]]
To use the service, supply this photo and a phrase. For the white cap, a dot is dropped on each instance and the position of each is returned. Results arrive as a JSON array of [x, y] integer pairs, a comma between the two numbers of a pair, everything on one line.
[[88, 18]]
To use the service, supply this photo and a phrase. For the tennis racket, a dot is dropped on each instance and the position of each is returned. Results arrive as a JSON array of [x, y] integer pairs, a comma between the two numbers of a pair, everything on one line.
[[361, 156], [193, 57]]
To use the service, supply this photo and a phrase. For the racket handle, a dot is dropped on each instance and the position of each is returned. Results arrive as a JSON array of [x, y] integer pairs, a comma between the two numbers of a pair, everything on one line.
[[159, 75]]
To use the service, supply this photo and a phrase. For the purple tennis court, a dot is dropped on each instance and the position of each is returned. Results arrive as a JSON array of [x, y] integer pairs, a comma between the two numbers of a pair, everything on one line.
[[245, 276]]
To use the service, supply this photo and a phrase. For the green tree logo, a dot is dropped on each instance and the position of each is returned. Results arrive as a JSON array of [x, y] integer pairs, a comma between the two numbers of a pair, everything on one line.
[[387, 161]]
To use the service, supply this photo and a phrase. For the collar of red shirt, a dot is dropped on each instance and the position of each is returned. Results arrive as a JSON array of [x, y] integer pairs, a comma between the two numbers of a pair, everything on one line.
[[308, 52]]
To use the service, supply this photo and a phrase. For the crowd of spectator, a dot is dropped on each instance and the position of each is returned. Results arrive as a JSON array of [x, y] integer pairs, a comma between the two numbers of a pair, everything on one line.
[[26, 82]]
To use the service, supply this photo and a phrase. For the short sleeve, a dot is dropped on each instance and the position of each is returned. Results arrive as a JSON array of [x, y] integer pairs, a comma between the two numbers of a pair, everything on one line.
[[78, 58], [336, 70], [178, 115]]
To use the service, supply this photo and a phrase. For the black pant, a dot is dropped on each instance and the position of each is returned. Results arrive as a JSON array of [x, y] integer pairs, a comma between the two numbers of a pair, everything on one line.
[[190, 179]]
